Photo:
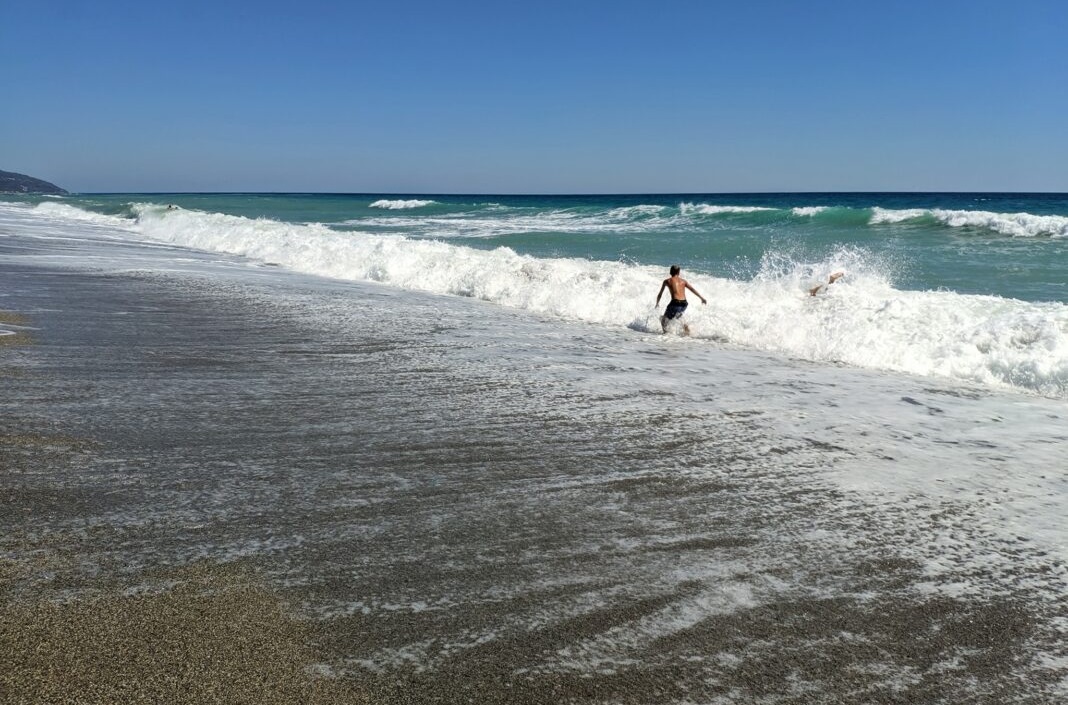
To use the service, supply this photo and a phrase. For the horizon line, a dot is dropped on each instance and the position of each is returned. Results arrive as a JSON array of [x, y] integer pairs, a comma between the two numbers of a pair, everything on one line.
[[545, 194]]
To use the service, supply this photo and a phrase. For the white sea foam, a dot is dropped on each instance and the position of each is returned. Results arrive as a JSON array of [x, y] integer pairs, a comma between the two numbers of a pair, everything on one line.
[[862, 320], [887, 215], [808, 210], [1013, 224], [401, 204], [708, 209]]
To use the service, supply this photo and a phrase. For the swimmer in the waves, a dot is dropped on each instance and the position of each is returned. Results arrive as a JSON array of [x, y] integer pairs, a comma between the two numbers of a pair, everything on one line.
[[820, 287]]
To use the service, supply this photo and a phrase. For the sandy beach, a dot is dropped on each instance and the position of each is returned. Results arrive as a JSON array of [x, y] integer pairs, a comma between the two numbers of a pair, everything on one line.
[[225, 483]]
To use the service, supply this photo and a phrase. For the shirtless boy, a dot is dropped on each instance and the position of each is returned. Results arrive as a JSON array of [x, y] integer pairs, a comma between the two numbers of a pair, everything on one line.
[[677, 286]]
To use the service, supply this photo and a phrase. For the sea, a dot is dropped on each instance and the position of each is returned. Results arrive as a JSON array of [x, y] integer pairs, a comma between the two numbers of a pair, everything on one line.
[[972, 287], [458, 421]]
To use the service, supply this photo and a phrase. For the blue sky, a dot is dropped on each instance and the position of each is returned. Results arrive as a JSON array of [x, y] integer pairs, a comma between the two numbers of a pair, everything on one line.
[[546, 97]]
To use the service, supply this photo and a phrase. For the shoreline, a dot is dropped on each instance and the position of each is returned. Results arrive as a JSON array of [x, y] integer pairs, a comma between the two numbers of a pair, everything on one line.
[[426, 519]]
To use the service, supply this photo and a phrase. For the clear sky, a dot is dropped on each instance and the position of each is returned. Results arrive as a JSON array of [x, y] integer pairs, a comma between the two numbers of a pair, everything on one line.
[[540, 97]]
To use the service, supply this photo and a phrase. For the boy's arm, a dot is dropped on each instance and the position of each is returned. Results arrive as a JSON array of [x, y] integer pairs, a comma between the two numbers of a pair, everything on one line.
[[661, 292], [834, 277], [696, 292]]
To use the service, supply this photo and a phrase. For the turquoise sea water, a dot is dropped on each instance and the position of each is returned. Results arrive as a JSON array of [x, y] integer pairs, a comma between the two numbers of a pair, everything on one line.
[[1007, 245]]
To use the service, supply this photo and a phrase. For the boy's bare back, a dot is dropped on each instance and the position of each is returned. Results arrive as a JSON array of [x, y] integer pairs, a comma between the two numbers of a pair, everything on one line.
[[677, 286]]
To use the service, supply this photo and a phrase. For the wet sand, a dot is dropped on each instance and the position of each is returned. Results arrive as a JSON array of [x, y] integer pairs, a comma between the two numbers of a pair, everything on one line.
[[250, 489]]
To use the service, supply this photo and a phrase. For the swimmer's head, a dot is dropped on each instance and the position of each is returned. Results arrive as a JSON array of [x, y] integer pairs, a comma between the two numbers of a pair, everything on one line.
[[675, 269]]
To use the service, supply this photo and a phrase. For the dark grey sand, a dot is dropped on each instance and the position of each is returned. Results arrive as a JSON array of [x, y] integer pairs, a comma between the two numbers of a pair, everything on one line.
[[266, 489]]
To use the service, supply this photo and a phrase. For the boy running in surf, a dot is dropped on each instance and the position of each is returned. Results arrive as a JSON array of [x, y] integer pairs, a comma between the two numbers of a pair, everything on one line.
[[678, 286]]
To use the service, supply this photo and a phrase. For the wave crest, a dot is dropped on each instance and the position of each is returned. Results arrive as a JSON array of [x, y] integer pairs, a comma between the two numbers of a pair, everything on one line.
[[710, 209], [1013, 224], [401, 204], [808, 210]]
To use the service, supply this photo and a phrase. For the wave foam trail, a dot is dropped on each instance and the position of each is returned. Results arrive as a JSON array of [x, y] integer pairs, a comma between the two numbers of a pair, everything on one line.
[[636, 211], [401, 204], [707, 209], [504, 221], [641, 218], [861, 320]]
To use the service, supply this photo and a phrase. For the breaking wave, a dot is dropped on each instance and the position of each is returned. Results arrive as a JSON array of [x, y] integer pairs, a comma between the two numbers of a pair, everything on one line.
[[1012, 224], [862, 320], [401, 204]]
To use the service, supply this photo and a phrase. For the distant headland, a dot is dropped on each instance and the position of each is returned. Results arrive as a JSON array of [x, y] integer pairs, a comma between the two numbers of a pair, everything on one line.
[[10, 182]]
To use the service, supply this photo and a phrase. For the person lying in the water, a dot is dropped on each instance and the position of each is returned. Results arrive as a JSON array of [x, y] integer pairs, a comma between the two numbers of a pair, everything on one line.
[[820, 287], [677, 286]]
